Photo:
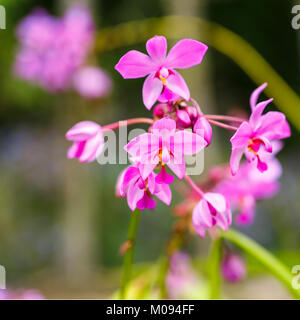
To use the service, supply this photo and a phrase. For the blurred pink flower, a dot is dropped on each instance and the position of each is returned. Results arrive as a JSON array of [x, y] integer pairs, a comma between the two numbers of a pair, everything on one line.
[[164, 145], [92, 82], [249, 185], [259, 131], [52, 49], [181, 279], [159, 67], [233, 268], [212, 210], [88, 142], [139, 191], [20, 295]]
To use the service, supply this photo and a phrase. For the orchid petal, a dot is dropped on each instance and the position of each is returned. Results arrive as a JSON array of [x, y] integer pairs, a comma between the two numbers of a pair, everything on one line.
[[273, 125], [76, 149], [152, 89], [176, 84], [257, 112], [164, 124], [167, 96], [164, 194], [147, 168], [157, 48], [135, 64], [131, 174], [146, 202], [235, 159], [185, 54], [255, 94], [201, 215], [187, 142], [92, 148], [178, 167], [83, 130], [242, 136], [163, 177], [216, 200], [134, 194]]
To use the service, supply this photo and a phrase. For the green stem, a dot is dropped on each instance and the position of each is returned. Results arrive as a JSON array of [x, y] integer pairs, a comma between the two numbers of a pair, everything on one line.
[[163, 271], [128, 256], [214, 269], [276, 267]]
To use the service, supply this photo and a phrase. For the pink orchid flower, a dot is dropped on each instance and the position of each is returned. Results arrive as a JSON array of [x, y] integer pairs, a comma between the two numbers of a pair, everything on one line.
[[88, 142], [159, 67], [139, 191], [212, 210], [258, 132], [165, 146]]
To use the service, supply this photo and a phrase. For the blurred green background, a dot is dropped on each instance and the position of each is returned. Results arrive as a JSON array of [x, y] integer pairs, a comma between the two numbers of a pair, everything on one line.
[[61, 226]]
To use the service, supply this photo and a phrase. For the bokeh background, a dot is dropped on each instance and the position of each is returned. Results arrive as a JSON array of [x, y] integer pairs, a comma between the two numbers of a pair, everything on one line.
[[61, 226]]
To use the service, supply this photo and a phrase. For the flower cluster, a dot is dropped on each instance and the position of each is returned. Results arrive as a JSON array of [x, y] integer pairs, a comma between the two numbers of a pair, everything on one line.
[[179, 128], [53, 52]]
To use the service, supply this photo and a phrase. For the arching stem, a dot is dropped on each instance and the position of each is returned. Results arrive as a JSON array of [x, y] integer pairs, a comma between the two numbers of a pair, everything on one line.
[[128, 122], [224, 118], [222, 125], [267, 259], [193, 185]]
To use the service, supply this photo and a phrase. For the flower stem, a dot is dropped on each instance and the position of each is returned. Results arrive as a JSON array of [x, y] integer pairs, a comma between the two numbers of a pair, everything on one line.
[[224, 118], [129, 254], [163, 271], [222, 125], [275, 266], [214, 268], [195, 103], [193, 185], [123, 123]]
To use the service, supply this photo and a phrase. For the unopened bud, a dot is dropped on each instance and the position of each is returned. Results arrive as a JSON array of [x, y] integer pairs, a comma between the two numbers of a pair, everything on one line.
[[160, 110], [192, 112], [183, 118], [204, 129]]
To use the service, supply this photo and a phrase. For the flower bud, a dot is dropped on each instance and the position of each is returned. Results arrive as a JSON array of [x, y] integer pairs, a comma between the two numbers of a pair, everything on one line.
[[183, 118], [192, 112], [233, 268], [160, 110], [203, 128]]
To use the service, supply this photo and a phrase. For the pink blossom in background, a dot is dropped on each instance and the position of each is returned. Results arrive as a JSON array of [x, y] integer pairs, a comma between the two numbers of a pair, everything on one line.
[[212, 210], [249, 185], [139, 191], [163, 83], [233, 268], [52, 49], [88, 141], [92, 82], [20, 295], [181, 278], [255, 136], [164, 145]]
